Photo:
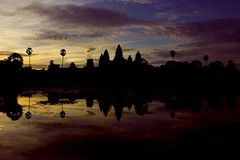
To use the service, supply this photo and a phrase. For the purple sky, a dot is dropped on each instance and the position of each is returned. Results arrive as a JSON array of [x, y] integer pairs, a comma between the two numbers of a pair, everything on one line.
[[154, 27]]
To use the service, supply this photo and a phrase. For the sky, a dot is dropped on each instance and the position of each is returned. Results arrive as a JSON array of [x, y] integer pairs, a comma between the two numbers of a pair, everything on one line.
[[85, 28]]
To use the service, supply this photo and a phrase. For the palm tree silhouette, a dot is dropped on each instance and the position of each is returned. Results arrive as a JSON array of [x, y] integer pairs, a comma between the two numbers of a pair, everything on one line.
[[29, 95], [28, 114], [62, 113], [205, 58], [29, 52], [63, 53], [172, 54]]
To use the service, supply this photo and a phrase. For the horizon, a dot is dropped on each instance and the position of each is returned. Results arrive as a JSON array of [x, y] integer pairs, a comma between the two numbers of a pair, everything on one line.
[[96, 61], [86, 28]]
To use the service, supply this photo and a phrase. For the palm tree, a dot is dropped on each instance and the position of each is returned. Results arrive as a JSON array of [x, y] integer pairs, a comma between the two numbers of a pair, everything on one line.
[[29, 51], [63, 53], [205, 58], [172, 54]]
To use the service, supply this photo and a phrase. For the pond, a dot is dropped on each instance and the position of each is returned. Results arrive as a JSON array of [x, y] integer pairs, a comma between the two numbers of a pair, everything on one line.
[[72, 125]]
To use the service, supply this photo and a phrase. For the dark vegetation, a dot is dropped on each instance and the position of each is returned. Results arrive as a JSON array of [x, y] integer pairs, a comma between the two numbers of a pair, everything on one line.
[[137, 73]]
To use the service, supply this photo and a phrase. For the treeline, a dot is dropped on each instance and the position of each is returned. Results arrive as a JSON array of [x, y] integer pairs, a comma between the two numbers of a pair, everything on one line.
[[132, 73]]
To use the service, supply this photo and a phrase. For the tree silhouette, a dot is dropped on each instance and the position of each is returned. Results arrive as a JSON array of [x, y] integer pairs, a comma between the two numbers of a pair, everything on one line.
[[231, 66], [15, 112], [63, 53], [72, 66], [52, 66], [205, 58], [15, 57], [51, 62], [29, 51], [15, 60], [172, 54]]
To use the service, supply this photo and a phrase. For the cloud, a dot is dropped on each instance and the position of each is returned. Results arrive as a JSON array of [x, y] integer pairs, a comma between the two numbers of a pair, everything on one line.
[[137, 1], [217, 38], [73, 15], [129, 50], [199, 33], [8, 53], [173, 16], [91, 49], [87, 48], [224, 30], [5, 53], [57, 35], [217, 51]]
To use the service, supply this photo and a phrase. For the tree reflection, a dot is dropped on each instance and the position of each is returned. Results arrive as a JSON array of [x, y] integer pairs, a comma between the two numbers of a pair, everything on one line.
[[10, 106], [62, 113], [29, 114], [119, 100], [28, 94]]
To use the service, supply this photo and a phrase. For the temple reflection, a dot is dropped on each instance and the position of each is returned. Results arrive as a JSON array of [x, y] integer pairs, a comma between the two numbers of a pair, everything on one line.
[[116, 102]]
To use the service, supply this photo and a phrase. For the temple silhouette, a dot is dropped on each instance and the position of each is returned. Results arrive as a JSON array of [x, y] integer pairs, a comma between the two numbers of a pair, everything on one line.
[[137, 73], [120, 83]]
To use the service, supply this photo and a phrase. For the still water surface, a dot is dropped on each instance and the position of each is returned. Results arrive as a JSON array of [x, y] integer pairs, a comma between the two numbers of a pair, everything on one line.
[[90, 130]]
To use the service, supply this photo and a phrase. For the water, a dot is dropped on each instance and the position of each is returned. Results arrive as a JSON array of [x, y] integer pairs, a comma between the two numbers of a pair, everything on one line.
[[112, 125]]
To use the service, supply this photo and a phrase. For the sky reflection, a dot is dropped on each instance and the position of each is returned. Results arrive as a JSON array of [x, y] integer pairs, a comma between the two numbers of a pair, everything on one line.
[[85, 129]]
